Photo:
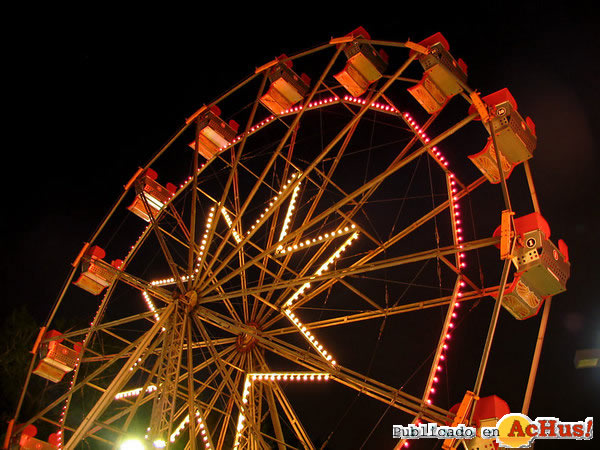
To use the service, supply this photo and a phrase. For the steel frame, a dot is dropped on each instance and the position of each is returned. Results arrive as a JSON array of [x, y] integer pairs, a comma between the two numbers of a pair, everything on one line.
[[209, 387]]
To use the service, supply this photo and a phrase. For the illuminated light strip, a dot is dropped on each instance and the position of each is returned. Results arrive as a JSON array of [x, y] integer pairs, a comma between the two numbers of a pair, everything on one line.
[[167, 281], [434, 151], [324, 267], [312, 105], [163, 282], [296, 321], [189, 179], [150, 304], [203, 431], [134, 392], [180, 428], [171, 280], [321, 238], [270, 376], [201, 425], [288, 215], [273, 200], [236, 235], [258, 125], [209, 223], [138, 241], [241, 416], [139, 360], [322, 102], [289, 376], [380, 106], [309, 337], [455, 215]]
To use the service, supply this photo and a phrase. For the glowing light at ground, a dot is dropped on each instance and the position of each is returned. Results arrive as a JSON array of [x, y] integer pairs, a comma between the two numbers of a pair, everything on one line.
[[132, 444]]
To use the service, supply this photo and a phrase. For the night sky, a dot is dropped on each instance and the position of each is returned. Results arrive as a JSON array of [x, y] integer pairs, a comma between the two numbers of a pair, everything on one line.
[[92, 98]]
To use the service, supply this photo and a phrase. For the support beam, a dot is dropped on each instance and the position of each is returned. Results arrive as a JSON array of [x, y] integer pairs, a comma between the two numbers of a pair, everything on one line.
[[118, 382], [373, 388], [322, 155], [357, 269]]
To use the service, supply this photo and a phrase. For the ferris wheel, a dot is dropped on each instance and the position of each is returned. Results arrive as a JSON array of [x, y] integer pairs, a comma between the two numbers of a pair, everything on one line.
[[320, 245]]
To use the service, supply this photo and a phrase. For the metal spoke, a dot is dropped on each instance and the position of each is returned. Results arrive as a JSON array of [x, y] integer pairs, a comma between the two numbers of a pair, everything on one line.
[[266, 283], [288, 410], [119, 381], [357, 269], [359, 382], [386, 312], [272, 160], [364, 188]]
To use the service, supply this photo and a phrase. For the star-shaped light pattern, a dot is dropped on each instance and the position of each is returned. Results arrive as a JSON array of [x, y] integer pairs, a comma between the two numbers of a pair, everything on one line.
[[212, 217], [300, 244], [350, 229]]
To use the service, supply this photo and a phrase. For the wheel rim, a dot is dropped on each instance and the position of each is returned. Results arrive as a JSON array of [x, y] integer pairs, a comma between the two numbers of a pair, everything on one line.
[[240, 301]]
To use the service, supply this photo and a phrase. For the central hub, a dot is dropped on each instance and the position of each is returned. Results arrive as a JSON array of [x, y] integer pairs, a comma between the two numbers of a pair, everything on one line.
[[245, 342], [191, 298]]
